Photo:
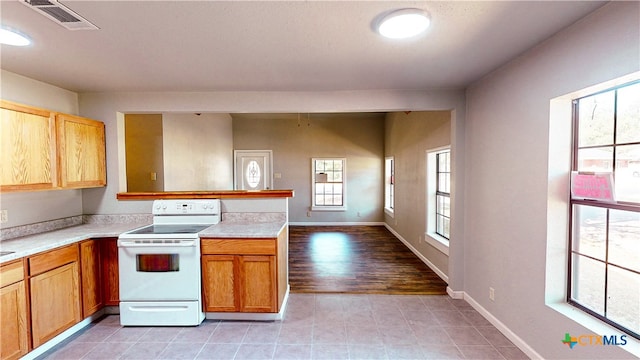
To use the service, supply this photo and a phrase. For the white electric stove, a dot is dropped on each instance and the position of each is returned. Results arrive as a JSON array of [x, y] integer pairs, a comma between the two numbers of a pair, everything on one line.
[[159, 265]]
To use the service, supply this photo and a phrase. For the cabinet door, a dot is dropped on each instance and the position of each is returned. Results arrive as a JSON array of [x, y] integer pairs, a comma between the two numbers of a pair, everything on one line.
[[13, 312], [90, 277], [82, 152], [258, 289], [55, 302], [27, 148], [219, 283], [110, 276]]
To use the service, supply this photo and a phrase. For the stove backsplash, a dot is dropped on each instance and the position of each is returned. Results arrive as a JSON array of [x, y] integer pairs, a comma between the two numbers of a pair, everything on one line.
[[40, 227], [57, 224]]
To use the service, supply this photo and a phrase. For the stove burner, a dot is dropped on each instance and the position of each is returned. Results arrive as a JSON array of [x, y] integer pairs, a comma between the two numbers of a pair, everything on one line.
[[170, 229]]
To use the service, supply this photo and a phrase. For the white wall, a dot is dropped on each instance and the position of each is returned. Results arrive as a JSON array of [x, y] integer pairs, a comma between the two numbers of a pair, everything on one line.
[[356, 137], [197, 151], [32, 207], [507, 150], [32, 92], [105, 106], [504, 139], [407, 138]]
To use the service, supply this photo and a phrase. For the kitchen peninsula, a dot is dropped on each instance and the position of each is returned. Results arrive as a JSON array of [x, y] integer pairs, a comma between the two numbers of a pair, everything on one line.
[[244, 267]]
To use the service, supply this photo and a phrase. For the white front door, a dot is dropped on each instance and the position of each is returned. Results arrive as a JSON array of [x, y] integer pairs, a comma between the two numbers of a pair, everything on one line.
[[252, 170]]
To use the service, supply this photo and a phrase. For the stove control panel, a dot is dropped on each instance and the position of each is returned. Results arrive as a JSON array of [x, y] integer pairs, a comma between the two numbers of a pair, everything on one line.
[[186, 207]]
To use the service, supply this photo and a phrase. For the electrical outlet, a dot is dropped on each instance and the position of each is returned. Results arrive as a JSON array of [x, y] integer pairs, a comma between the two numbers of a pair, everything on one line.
[[4, 216], [308, 213], [492, 294], [358, 213]]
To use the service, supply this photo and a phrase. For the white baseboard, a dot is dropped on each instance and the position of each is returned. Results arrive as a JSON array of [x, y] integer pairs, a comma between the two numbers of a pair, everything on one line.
[[317, 223], [435, 269], [455, 294], [35, 353], [252, 316], [515, 339], [111, 310]]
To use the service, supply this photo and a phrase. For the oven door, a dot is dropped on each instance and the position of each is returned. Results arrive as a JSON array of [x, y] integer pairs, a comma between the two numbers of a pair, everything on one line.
[[159, 269]]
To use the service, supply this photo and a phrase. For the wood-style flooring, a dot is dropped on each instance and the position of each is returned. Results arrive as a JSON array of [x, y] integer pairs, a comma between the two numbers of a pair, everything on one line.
[[356, 260]]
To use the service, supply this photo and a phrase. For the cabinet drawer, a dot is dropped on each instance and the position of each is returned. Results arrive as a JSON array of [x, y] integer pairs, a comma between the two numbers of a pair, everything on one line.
[[11, 273], [239, 246], [52, 259]]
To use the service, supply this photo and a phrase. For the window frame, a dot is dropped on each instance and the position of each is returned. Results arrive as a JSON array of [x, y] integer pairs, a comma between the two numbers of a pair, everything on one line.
[[442, 194], [343, 182], [617, 205], [389, 185], [431, 237]]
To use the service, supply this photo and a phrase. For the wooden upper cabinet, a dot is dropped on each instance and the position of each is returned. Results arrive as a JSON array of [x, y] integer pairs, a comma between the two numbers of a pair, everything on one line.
[[44, 150], [27, 148], [81, 152]]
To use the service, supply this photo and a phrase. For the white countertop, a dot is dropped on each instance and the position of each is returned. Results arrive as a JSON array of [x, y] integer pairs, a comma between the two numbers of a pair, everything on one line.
[[31, 244], [240, 229], [247, 225], [231, 227]]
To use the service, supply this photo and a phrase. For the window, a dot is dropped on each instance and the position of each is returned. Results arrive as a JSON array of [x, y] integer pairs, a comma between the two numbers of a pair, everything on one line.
[[443, 196], [329, 184], [438, 198], [604, 249], [389, 185]]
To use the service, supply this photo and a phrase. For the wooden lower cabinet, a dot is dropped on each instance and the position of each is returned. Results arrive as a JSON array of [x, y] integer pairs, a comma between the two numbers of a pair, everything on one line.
[[14, 336], [243, 275], [110, 276], [90, 271], [239, 283], [59, 288], [55, 293], [220, 276], [258, 283]]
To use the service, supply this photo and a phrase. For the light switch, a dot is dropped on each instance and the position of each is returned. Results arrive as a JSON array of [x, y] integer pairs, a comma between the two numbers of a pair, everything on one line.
[[277, 175], [154, 176]]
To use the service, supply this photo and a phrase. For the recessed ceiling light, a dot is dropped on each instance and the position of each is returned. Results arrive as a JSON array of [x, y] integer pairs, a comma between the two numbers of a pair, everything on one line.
[[404, 23], [11, 37]]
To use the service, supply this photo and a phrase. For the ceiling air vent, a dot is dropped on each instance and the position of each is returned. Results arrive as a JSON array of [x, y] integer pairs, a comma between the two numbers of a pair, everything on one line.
[[60, 14]]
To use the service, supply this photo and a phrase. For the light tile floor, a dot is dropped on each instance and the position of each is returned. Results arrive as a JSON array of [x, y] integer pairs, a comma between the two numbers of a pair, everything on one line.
[[316, 326]]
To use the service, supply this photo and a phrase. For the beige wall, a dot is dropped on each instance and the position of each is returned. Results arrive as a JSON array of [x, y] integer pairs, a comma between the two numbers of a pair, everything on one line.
[[31, 207], [357, 137], [407, 138], [511, 177], [143, 145], [502, 128], [198, 151], [32, 92], [108, 106]]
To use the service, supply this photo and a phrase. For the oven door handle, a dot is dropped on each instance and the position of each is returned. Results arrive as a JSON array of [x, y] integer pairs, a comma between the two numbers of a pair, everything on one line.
[[133, 244]]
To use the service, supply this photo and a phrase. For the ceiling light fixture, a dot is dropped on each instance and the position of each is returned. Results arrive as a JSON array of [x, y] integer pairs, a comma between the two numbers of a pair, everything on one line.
[[11, 37], [404, 23]]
